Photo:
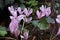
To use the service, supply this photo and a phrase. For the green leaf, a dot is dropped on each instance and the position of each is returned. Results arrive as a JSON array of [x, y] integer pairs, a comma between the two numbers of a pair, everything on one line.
[[22, 6], [35, 23], [50, 20], [3, 33], [43, 25]]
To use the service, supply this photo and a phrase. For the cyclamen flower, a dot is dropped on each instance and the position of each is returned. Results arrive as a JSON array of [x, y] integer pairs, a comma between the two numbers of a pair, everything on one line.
[[27, 12], [58, 33], [58, 19], [28, 20], [46, 11], [39, 14], [13, 26], [25, 35]]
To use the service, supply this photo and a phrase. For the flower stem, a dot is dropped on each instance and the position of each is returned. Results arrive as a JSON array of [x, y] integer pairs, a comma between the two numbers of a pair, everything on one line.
[[23, 26], [23, 23]]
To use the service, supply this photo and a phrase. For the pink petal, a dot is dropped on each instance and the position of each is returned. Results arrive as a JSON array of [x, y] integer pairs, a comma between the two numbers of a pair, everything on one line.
[[16, 32], [21, 36], [58, 16], [58, 33], [48, 11], [11, 9], [26, 12], [38, 14], [42, 14], [11, 17], [15, 13], [13, 26], [30, 11], [20, 17], [42, 8], [19, 10], [58, 19], [28, 20]]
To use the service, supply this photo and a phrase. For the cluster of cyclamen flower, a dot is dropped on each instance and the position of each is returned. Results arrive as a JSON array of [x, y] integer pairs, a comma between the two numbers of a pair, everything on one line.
[[44, 12], [13, 26], [25, 15]]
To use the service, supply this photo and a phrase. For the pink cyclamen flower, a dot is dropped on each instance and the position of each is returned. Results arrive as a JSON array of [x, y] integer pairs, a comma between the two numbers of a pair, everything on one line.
[[39, 14], [13, 26], [27, 12], [28, 20], [58, 19], [20, 10], [46, 11], [58, 33], [26, 35]]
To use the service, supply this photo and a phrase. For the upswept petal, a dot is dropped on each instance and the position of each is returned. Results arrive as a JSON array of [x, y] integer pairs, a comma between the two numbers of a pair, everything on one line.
[[11, 17], [42, 8], [30, 11], [27, 12], [20, 17], [11, 9], [28, 20], [20, 10], [48, 11], [38, 14], [58, 19]]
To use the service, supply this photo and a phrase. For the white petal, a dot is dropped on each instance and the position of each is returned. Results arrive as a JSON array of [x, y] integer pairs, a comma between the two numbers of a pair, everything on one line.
[[58, 21], [21, 36], [20, 17], [58, 16], [11, 17]]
